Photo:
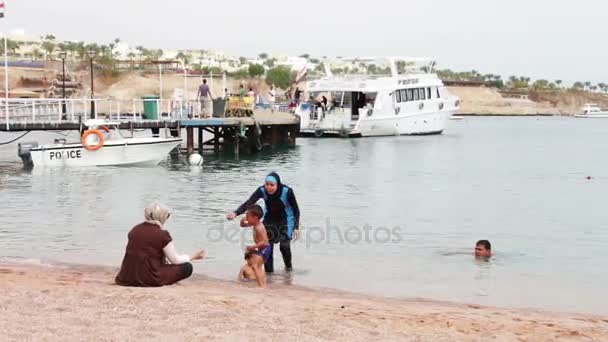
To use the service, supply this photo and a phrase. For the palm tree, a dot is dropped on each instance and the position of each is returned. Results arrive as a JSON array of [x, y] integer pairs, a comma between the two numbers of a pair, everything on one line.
[[587, 85], [49, 47], [81, 50], [103, 49], [142, 52], [270, 62], [184, 57], [559, 83], [63, 46], [263, 56], [111, 47], [131, 55], [578, 86], [36, 53], [11, 46], [602, 87]]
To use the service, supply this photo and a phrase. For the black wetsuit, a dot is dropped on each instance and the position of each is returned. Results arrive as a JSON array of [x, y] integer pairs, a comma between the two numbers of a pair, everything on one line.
[[281, 218]]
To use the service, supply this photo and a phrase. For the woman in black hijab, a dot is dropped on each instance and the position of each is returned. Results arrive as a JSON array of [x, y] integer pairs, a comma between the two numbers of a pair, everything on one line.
[[281, 216]]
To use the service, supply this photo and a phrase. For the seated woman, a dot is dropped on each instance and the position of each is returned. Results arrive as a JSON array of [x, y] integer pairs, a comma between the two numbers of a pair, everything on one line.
[[148, 248]]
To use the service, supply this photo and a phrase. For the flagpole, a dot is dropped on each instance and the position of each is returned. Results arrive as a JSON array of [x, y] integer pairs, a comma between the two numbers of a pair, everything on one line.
[[6, 75], [6, 83]]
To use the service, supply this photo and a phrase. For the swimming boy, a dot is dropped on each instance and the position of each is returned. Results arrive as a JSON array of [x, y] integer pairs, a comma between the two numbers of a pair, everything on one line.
[[257, 254]]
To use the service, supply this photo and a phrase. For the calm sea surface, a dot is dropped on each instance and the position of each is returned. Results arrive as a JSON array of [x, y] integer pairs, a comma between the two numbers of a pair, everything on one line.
[[393, 216]]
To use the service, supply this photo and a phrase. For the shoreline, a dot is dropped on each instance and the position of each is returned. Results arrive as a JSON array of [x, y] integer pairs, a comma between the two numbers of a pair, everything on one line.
[[510, 115], [48, 302]]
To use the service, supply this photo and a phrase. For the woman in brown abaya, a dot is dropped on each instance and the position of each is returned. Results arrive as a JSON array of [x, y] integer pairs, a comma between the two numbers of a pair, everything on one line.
[[149, 248]]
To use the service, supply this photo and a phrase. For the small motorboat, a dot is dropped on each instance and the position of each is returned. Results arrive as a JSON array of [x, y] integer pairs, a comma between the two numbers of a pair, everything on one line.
[[100, 145], [591, 110]]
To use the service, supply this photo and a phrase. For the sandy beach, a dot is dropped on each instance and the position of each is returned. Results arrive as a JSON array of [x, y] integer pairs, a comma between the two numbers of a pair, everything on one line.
[[78, 303]]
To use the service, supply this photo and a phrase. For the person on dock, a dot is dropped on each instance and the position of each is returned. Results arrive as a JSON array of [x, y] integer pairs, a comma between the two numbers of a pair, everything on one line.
[[483, 249], [281, 218], [149, 247], [272, 97], [296, 95], [257, 254], [204, 95]]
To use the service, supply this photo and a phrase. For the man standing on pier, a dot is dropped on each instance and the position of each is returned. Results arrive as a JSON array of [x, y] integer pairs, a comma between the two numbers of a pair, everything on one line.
[[204, 95]]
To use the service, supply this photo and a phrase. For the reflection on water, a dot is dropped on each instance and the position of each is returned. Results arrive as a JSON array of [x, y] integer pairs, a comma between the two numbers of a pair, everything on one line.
[[501, 179]]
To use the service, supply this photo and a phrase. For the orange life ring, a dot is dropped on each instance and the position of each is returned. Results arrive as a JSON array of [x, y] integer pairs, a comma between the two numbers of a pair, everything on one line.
[[99, 137]]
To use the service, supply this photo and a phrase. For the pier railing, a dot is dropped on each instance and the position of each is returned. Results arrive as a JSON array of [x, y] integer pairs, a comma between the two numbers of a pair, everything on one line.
[[76, 110]]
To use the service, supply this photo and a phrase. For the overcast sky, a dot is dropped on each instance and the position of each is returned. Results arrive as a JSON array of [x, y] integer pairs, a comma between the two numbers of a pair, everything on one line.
[[554, 39]]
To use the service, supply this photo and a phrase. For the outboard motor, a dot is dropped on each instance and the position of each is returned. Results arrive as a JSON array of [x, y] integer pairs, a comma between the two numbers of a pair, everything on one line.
[[25, 155]]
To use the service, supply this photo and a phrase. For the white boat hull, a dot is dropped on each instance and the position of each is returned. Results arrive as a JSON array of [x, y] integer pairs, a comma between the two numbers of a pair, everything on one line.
[[128, 152], [592, 116], [410, 124]]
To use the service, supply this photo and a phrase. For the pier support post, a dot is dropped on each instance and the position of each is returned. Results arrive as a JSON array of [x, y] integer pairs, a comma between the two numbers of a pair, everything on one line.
[[293, 133], [216, 140], [236, 142], [274, 136], [285, 135], [200, 140], [190, 140]]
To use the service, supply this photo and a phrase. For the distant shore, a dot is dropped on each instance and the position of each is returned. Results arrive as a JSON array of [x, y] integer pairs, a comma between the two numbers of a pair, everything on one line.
[[82, 303], [474, 100]]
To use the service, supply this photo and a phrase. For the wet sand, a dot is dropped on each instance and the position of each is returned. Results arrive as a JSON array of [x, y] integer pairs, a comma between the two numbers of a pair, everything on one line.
[[43, 303]]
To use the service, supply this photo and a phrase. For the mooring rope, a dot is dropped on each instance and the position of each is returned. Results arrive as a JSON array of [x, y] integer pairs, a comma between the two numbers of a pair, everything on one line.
[[12, 141]]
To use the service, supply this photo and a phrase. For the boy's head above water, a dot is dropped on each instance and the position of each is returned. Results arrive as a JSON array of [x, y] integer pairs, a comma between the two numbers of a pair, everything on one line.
[[254, 214], [483, 249]]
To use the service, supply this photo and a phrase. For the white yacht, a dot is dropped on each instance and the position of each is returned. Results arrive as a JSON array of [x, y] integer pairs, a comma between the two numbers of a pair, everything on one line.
[[592, 110], [99, 146], [409, 99]]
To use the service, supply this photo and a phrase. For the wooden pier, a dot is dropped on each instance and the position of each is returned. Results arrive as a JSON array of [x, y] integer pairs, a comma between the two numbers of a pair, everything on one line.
[[246, 134]]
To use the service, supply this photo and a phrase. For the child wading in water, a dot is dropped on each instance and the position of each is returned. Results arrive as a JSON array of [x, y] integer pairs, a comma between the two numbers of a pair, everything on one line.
[[257, 254]]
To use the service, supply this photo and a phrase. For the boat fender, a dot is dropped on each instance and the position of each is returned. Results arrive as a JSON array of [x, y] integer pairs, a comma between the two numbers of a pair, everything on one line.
[[421, 105], [457, 103], [195, 159], [100, 140], [318, 133], [441, 106], [370, 112]]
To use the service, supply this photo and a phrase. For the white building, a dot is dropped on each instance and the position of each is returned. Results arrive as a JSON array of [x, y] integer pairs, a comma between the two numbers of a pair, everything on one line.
[[294, 63]]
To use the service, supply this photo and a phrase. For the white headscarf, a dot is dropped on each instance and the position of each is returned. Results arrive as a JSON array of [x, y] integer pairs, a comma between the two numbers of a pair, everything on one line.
[[157, 214]]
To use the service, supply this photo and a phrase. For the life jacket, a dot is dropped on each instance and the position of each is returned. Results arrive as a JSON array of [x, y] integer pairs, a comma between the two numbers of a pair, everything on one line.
[[289, 215]]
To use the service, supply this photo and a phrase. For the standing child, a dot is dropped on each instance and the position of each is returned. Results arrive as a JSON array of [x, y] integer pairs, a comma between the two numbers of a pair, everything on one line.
[[257, 254]]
